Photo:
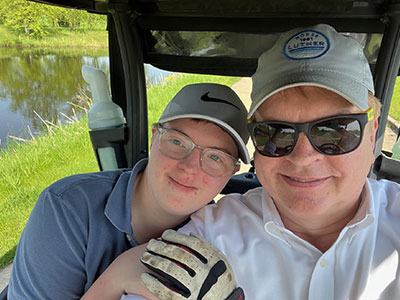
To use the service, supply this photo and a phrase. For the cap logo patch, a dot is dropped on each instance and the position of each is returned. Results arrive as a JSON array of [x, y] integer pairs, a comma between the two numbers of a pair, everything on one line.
[[306, 44], [207, 98]]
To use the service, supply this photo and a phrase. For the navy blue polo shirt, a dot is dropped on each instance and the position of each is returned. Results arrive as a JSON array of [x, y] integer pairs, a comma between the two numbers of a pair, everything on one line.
[[78, 226]]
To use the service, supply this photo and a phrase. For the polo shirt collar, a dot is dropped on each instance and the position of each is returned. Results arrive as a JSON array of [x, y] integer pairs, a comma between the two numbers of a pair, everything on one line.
[[270, 212], [364, 217], [273, 224], [366, 208], [119, 204]]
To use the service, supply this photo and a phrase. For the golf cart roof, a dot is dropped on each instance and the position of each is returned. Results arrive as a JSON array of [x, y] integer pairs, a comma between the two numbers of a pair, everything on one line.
[[226, 37]]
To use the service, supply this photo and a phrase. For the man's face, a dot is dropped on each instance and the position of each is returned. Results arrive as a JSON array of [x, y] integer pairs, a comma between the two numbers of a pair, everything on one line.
[[181, 187], [306, 183]]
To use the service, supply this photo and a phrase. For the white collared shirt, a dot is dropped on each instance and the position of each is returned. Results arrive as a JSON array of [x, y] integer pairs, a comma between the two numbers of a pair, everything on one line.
[[270, 262]]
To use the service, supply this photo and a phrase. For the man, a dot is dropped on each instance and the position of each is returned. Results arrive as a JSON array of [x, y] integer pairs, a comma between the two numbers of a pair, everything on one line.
[[318, 228], [80, 224]]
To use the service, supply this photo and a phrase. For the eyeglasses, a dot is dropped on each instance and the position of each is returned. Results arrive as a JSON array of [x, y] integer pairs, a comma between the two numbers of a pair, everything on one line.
[[330, 136], [178, 146]]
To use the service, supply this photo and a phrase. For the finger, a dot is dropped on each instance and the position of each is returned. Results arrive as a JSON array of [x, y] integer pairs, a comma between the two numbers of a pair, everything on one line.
[[167, 269], [162, 290], [205, 243], [178, 253], [210, 251], [199, 246], [180, 238], [221, 289]]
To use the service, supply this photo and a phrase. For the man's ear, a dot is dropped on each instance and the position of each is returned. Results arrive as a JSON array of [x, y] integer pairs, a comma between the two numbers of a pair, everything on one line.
[[153, 136], [237, 168], [373, 135]]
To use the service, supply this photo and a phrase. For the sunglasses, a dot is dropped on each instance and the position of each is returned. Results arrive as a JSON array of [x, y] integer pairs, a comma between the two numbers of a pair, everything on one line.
[[330, 136]]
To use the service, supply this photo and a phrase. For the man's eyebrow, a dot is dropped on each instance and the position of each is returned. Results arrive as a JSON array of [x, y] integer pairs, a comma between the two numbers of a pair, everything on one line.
[[342, 111], [347, 111]]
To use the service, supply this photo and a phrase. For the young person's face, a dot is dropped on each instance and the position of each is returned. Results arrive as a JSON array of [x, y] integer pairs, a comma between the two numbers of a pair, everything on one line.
[[181, 187], [306, 183]]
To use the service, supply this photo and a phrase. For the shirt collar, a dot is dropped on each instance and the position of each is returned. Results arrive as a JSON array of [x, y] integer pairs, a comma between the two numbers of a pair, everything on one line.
[[365, 209], [270, 212], [272, 221], [363, 218], [120, 212]]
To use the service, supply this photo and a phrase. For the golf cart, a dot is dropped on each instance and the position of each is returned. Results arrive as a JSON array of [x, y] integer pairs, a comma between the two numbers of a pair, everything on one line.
[[225, 38]]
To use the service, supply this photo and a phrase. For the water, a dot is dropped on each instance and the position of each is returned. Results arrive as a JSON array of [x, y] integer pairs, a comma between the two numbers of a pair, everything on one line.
[[45, 83]]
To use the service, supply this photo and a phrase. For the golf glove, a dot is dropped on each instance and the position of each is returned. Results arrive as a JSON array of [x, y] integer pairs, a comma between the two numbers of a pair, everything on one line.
[[188, 267]]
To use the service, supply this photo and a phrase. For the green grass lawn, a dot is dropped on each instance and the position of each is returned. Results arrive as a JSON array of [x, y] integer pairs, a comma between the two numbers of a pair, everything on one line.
[[394, 110], [27, 168], [59, 37]]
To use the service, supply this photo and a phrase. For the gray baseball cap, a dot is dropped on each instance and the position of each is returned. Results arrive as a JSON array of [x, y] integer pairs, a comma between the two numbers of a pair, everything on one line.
[[313, 56], [216, 103]]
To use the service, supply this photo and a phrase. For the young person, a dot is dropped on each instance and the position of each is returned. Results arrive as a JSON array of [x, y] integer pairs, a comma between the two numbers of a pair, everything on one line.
[[318, 228], [80, 224]]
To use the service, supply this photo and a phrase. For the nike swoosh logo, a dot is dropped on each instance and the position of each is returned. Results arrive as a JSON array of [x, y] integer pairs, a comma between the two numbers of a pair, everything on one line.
[[207, 98]]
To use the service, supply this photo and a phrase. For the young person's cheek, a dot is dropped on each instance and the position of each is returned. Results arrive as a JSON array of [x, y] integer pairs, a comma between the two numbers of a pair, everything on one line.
[[207, 180], [212, 184], [166, 167]]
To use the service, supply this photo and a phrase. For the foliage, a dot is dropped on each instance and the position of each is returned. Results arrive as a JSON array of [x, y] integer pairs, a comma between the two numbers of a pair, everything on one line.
[[37, 19]]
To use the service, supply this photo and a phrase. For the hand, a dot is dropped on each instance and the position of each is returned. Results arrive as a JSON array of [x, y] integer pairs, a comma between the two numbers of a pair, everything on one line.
[[120, 278], [188, 268]]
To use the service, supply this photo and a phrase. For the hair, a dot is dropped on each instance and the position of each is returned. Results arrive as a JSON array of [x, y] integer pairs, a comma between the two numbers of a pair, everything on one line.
[[375, 103]]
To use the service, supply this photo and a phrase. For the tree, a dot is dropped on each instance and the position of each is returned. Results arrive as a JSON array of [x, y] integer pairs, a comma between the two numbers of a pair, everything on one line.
[[73, 18], [22, 14], [3, 6], [33, 18]]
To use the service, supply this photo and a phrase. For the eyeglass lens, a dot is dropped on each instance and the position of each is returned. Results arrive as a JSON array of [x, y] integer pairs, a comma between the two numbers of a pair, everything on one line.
[[177, 146], [331, 137]]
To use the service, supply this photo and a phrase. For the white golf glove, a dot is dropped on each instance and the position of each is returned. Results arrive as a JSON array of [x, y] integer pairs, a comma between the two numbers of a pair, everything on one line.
[[188, 268]]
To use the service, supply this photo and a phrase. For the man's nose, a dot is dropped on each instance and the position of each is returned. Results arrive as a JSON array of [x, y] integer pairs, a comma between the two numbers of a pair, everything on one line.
[[303, 153], [191, 164]]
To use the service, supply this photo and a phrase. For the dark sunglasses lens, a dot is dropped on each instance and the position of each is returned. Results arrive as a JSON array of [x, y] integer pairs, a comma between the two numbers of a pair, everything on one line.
[[337, 136], [274, 139]]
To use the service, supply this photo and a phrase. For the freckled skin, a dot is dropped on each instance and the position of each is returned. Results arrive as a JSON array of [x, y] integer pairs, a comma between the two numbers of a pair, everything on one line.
[[165, 176]]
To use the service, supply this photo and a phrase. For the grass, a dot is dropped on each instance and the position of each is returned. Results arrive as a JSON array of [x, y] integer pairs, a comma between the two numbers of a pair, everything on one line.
[[10, 52], [26, 168], [394, 110], [59, 37]]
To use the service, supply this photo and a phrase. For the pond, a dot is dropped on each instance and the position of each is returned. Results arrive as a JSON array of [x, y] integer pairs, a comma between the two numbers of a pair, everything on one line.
[[44, 84]]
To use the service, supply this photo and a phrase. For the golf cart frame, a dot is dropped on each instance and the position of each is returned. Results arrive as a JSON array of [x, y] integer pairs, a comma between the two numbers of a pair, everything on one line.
[[225, 37], [140, 30]]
